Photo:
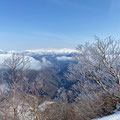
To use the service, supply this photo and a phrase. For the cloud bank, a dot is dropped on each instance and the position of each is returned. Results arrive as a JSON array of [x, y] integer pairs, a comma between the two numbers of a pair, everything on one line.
[[33, 64]]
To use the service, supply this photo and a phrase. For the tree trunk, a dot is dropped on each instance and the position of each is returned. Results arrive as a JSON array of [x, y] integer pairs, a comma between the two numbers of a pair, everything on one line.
[[37, 115]]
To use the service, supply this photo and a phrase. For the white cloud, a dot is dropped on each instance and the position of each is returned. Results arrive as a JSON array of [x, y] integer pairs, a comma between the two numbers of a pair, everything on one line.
[[45, 62], [34, 64], [63, 58]]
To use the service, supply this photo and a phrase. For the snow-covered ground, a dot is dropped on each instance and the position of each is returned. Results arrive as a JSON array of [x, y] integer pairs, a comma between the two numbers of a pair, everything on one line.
[[115, 116], [24, 110], [44, 105]]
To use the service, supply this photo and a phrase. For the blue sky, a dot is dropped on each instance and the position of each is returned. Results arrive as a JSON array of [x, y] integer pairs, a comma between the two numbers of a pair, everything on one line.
[[35, 24]]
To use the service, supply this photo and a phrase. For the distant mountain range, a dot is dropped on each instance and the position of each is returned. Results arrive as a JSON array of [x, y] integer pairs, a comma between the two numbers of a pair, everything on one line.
[[43, 57], [51, 51], [52, 63], [42, 51]]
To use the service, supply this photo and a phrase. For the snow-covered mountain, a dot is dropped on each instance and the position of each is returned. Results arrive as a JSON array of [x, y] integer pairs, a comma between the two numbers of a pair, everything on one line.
[[51, 51], [51, 63], [43, 51]]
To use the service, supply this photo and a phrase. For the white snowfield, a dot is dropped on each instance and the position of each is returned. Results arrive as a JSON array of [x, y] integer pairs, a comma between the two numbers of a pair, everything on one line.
[[115, 116]]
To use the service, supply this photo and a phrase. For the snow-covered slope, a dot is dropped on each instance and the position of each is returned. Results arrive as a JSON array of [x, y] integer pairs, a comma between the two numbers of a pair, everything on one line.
[[115, 116]]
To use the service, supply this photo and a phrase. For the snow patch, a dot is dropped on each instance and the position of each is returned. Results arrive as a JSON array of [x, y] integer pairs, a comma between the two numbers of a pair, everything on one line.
[[115, 116], [44, 105]]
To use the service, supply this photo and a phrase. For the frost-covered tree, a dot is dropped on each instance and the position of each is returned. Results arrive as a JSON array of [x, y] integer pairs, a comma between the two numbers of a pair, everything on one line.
[[97, 66], [15, 66]]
